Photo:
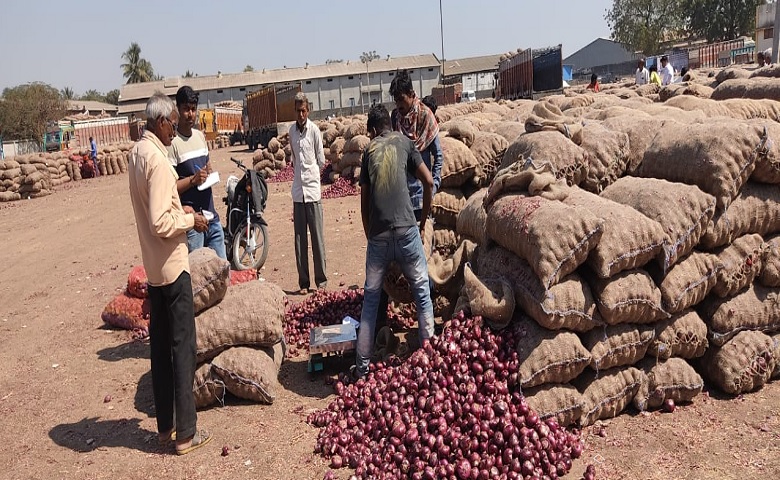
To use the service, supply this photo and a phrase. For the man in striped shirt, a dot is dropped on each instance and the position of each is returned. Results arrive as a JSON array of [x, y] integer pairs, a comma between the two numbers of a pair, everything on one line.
[[189, 154]]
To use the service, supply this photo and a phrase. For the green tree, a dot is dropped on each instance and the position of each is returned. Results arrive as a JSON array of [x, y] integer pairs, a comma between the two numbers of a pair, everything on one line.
[[26, 109], [93, 95], [188, 74], [333, 60], [643, 25], [68, 93], [112, 97], [136, 69], [249, 68], [718, 20], [367, 57]]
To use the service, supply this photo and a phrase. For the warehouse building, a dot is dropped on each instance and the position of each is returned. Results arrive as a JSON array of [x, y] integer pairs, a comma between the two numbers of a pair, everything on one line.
[[602, 57], [474, 73], [339, 88]]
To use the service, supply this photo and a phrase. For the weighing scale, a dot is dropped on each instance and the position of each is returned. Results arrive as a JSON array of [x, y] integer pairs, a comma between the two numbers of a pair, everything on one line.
[[330, 340]]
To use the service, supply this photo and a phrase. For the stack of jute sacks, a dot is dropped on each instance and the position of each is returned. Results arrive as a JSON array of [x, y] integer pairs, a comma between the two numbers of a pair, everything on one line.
[[273, 158], [638, 253]]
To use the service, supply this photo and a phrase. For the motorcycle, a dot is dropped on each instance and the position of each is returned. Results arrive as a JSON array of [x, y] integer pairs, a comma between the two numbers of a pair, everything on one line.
[[246, 232]]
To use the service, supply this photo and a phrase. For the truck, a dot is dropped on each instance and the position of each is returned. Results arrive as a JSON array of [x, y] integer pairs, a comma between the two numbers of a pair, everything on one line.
[[207, 123], [447, 94], [269, 112], [530, 73]]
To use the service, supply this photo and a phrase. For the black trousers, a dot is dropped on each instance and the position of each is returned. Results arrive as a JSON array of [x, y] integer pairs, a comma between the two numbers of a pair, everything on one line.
[[172, 339]]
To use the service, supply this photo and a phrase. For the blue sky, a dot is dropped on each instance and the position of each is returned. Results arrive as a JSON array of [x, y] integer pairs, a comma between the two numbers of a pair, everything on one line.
[[79, 43]]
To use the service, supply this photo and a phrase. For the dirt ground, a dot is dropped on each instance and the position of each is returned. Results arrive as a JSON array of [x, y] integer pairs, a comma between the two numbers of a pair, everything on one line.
[[68, 254]]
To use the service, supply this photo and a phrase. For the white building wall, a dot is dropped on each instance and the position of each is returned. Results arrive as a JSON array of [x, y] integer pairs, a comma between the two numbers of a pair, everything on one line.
[[478, 82]]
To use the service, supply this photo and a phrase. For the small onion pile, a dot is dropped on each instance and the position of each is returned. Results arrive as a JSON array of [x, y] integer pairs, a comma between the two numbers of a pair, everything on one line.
[[284, 175], [449, 411], [342, 187], [325, 174], [322, 308], [402, 315]]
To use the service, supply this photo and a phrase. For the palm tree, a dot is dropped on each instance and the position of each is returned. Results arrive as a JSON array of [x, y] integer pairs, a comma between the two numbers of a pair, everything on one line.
[[188, 74], [68, 93], [249, 68], [137, 69]]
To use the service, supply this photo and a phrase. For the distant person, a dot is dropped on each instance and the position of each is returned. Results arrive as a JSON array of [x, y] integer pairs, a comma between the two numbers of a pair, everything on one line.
[[642, 74], [189, 155], [594, 83], [681, 78], [93, 155], [430, 102], [654, 77], [308, 157], [768, 57], [666, 72], [162, 224], [391, 228]]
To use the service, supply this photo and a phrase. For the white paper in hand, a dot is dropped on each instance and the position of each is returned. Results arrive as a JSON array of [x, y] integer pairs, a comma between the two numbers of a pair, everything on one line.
[[211, 180]]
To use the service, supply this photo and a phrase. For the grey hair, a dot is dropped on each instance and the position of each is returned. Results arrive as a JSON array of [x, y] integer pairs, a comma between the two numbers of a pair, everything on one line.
[[301, 97], [158, 106]]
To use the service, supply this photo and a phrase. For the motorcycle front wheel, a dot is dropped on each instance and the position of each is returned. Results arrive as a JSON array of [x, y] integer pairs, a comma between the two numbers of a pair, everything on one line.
[[250, 246]]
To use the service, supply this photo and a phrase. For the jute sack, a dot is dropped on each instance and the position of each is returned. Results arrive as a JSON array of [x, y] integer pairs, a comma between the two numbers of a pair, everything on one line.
[[510, 130], [770, 273], [711, 108], [251, 373], [527, 178], [207, 388], [250, 314], [757, 88], [620, 248], [683, 210], [459, 165], [641, 129], [617, 345], [568, 304], [607, 153], [128, 312], [568, 160], [628, 297], [772, 71], [743, 364], [673, 379], [447, 204], [472, 218], [547, 117], [444, 271], [355, 129], [356, 144], [741, 263], [491, 297], [337, 147], [684, 335], [768, 165], [210, 277], [554, 238], [606, 394], [548, 357], [776, 354], [689, 281], [445, 237], [489, 148], [459, 129], [137, 282], [732, 73], [718, 157], [757, 308], [755, 210], [560, 401]]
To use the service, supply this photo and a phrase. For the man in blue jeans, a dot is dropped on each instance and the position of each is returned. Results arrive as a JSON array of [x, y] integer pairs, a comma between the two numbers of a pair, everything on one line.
[[189, 154], [391, 227], [93, 155]]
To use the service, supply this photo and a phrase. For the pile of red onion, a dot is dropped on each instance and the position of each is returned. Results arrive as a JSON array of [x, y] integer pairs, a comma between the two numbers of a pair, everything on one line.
[[284, 175], [449, 411], [342, 187]]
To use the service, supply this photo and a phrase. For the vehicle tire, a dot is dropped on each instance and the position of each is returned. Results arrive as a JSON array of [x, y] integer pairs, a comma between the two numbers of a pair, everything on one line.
[[250, 257]]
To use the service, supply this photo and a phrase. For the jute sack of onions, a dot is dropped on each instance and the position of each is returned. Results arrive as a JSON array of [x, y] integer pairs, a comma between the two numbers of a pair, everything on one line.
[[251, 373], [491, 297], [557, 400], [757, 308], [628, 297], [606, 394], [210, 277], [447, 204], [617, 345], [673, 379], [250, 314], [684, 335], [683, 210], [207, 388], [770, 273], [549, 357], [689, 281], [741, 263], [743, 364], [755, 210], [568, 304]]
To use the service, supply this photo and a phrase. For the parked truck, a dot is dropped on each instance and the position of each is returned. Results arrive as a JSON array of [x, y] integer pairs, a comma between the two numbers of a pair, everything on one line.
[[530, 73], [268, 113]]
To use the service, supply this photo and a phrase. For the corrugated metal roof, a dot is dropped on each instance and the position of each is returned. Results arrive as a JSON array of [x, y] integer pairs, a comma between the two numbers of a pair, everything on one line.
[[131, 107], [91, 105], [601, 51], [142, 91], [462, 66]]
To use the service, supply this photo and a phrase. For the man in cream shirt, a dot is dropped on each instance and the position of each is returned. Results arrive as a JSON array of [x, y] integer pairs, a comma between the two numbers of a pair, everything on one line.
[[308, 156]]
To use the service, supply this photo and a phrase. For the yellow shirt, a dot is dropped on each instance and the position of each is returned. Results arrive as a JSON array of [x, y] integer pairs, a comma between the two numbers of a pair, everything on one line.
[[159, 216], [655, 78]]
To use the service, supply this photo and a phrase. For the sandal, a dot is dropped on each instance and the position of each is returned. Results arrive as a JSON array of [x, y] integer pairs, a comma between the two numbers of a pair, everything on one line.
[[200, 438], [165, 440]]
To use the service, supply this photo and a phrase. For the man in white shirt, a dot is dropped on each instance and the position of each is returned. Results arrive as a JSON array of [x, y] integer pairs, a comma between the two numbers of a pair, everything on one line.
[[666, 71], [308, 157], [642, 75]]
